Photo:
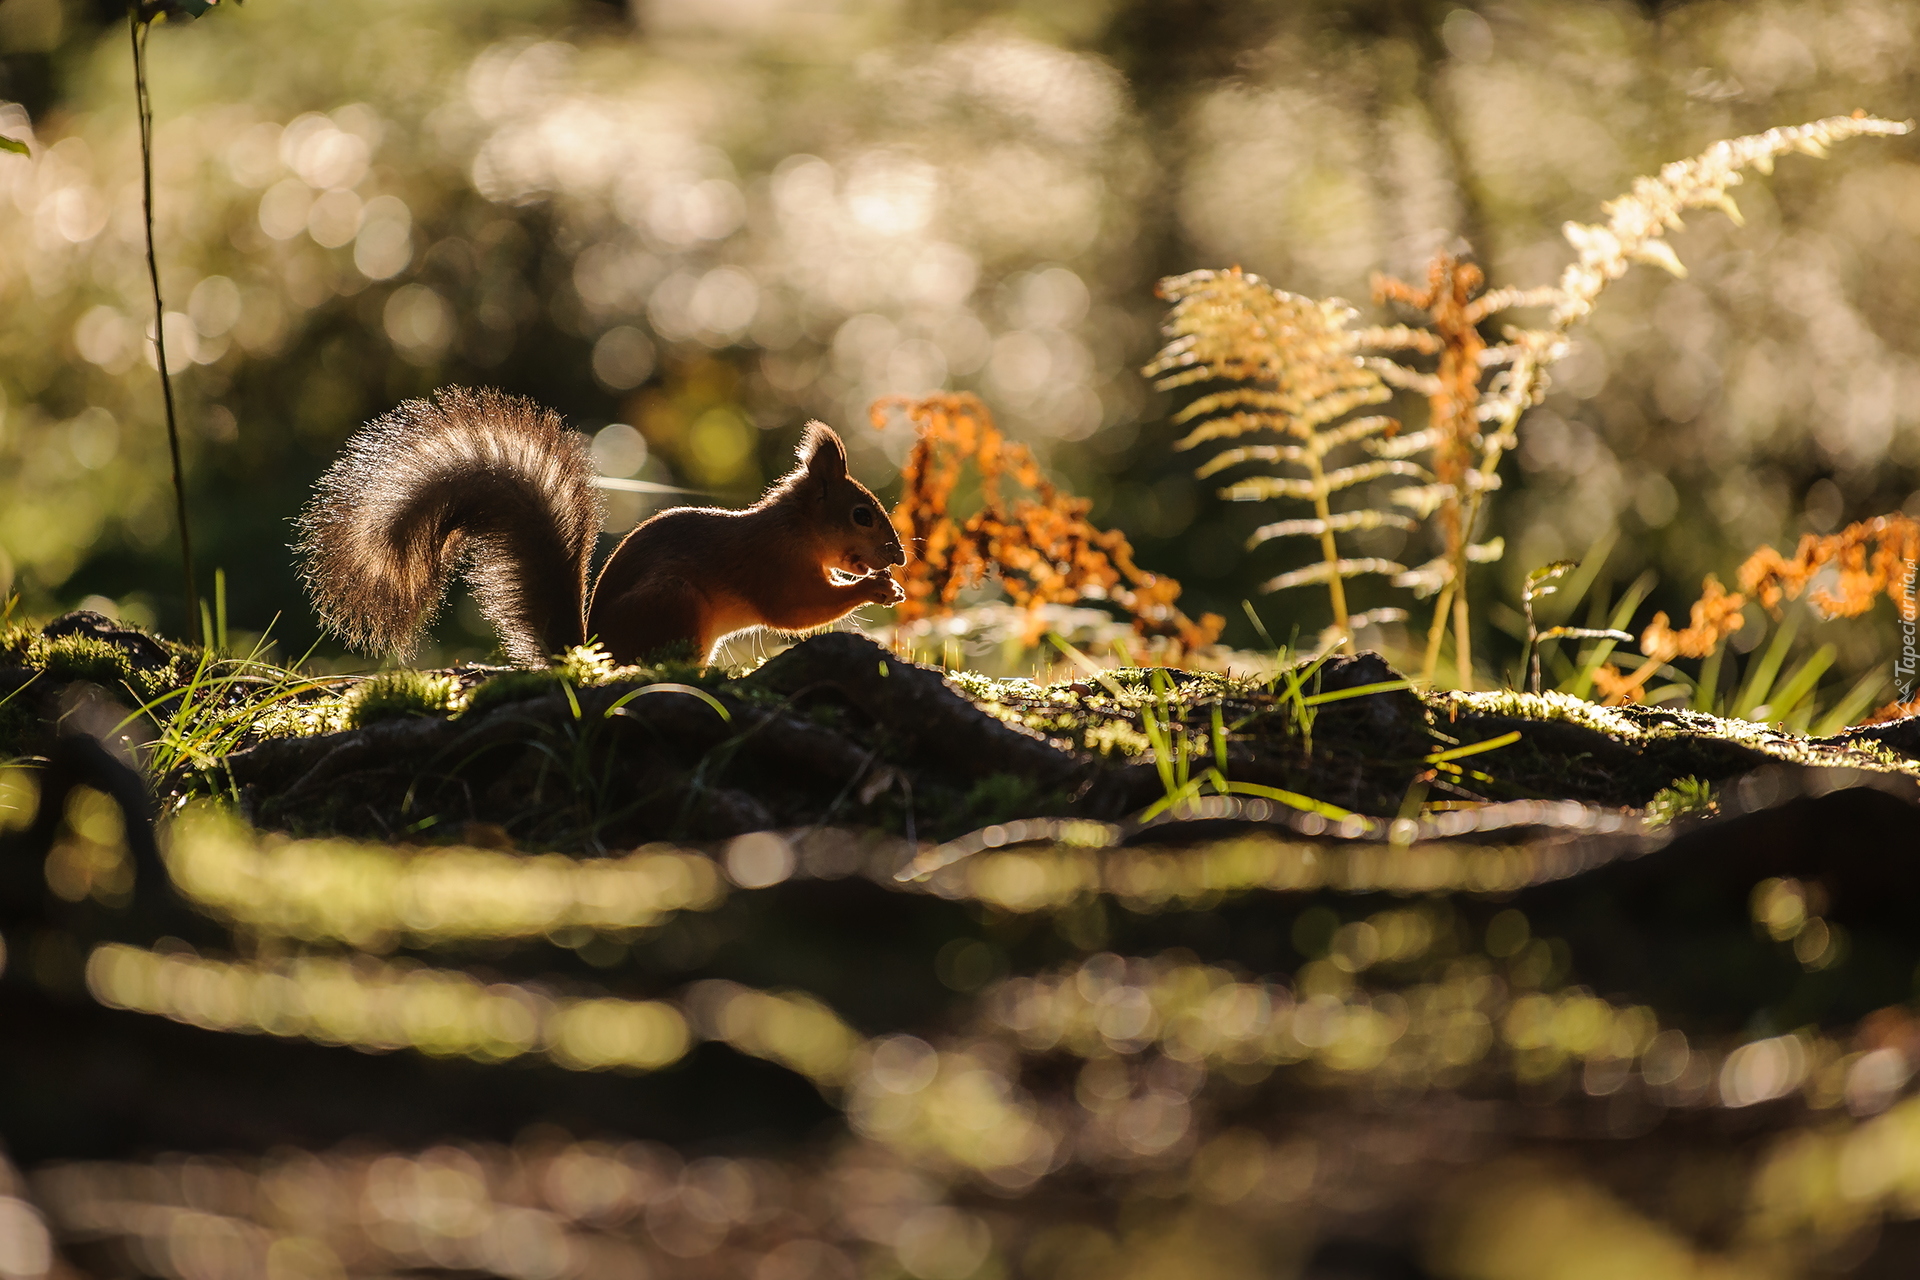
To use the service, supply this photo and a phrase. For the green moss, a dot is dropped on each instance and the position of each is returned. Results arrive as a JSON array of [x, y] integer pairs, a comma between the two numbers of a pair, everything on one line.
[[513, 686], [588, 667], [679, 654], [1104, 714], [395, 694], [20, 645], [1685, 797], [85, 658], [1634, 725]]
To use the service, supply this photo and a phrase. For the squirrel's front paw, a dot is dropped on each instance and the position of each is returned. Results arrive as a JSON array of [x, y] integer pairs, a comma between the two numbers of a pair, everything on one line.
[[886, 590]]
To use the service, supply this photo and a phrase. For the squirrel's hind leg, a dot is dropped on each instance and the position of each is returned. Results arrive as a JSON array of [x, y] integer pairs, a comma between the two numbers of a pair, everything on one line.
[[647, 618]]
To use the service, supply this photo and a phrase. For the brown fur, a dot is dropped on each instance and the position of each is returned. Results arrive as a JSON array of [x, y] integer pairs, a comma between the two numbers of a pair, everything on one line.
[[494, 487], [702, 573], [476, 482]]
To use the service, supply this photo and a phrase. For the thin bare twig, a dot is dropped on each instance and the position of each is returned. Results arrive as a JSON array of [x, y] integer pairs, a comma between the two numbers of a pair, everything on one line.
[[138, 28]]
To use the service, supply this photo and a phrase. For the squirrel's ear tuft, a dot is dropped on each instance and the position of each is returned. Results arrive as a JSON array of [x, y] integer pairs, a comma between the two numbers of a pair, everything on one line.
[[822, 453]]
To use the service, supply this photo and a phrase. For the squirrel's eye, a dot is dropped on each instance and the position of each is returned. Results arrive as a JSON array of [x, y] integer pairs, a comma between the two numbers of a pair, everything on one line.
[[863, 516]]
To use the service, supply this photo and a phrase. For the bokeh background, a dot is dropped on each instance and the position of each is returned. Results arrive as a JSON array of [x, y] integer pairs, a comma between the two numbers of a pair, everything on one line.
[[690, 227]]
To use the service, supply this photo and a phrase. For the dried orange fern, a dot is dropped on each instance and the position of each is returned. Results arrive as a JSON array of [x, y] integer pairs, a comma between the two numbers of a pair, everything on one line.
[[1895, 710], [1292, 369], [1041, 547], [1859, 578], [1454, 309]]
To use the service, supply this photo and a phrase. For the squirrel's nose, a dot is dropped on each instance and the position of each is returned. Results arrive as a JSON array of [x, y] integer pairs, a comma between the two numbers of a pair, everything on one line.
[[896, 554]]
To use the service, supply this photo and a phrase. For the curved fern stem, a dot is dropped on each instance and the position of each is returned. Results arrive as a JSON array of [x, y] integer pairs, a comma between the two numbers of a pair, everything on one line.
[[1336, 589]]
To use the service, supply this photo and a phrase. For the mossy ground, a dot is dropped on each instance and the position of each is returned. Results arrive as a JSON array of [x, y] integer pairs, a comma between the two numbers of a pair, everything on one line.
[[587, 755]]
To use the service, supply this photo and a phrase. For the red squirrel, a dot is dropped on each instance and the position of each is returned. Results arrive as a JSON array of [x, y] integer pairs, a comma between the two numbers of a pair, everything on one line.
[[495, 487]]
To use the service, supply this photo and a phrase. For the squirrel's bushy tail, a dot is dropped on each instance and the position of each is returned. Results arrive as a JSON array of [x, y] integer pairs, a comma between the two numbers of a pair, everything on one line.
[[477, 481]]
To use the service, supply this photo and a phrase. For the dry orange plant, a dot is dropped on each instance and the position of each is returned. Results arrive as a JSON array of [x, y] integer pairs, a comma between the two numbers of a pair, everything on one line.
[[1859, 564], [1859, 578], [1041, 547], [1715, 616]]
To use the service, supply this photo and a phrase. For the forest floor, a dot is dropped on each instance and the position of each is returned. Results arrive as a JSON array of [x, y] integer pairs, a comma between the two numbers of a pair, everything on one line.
[[836, 730], [1259, 915]]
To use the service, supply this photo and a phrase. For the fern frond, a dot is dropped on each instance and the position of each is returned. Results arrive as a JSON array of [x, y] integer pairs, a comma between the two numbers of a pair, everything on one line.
[[1344, 522], [1265, 411], [1507, 299], [1499, 353], [1427, 579], [1478, 482], [1238, 328], [1293, 367], [1423, 500], [1260, 488], [1250, 453], [1360, 473], [1228, 427], [1397, 337], [1358, 429], [1185, 377], [1336, 405], [1263, 488], [1404, 446], [1247, 399], [1637, 220], [1324, 572], [1397, 374]]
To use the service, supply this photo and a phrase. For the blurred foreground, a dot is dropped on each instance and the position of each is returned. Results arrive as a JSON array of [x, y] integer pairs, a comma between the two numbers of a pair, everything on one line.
[[1052, 1009]]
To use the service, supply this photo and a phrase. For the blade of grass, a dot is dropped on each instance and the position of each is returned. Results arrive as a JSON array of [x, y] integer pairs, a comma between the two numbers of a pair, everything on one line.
[[1173, 797], [1219, 740], [1259, 626], [1800, 683], [1582, 683], [619, 708], [1760, 678], [1358, 691], [1162, 692], [1088, 667], [1157, 740], [1293, 800], [1474, 748], [1300, 710], [1580, 581], [1707, 688], [1865, 692]]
